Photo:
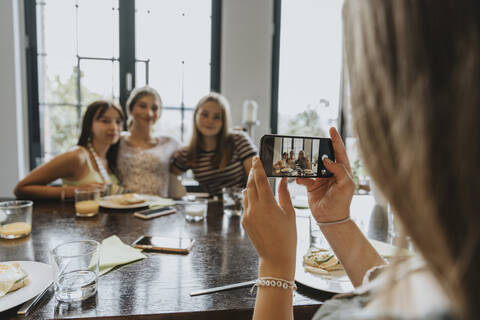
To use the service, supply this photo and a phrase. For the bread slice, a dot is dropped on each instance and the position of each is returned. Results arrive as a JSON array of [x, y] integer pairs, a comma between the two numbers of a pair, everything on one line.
[[130, 198], [12, 277], [20, 283]]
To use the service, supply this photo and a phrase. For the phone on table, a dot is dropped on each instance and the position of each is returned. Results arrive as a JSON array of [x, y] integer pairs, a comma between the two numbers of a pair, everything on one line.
[[155, 212], [295, 156], [175, 245]]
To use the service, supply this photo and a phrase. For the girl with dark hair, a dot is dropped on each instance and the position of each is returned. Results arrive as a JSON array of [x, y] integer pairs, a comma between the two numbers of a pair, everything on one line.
[[91, 164], [144, 159], [282, 163], [218, 156]]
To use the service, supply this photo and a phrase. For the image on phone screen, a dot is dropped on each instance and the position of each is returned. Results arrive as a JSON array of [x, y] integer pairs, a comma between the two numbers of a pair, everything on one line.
[[294, 156]]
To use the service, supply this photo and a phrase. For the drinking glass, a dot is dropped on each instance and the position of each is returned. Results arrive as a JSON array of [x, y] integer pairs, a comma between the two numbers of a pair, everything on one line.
[[86, 202], [232, 201], [15, 219], [317, 239], [75, 265], [194, 210], [391, 224]]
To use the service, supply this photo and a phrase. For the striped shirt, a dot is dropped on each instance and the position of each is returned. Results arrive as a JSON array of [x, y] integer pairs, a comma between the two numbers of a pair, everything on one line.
[[208, 176]]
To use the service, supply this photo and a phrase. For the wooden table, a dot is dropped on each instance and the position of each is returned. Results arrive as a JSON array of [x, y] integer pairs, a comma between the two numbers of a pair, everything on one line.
[[157, 287]]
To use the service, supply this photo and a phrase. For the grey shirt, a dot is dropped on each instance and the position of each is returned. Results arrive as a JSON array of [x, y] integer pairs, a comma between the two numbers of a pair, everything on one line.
[[352, 306]]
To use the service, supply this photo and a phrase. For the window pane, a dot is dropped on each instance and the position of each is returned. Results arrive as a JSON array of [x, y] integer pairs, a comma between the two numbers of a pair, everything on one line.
[[56, 51], [140, 73], [175, 36], [63, 27], [287, 144], [99, 80], [187, 125], [60, 129], [98, 28], [310, 66]]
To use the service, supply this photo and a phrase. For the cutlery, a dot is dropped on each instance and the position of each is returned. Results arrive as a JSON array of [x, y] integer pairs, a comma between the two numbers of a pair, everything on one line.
[[223, 288], [28, 306]]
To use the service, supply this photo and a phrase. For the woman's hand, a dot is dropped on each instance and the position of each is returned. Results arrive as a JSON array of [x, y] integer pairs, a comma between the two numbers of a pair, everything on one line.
[[270, 226], [329, 198]]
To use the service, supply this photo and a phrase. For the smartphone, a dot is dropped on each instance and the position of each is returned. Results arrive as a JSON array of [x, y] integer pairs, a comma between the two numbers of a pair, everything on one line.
[[175, 245], [295, 156], [153, 213]]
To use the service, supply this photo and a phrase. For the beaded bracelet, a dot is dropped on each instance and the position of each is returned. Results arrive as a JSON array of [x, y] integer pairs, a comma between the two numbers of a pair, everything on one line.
[[274, 282]]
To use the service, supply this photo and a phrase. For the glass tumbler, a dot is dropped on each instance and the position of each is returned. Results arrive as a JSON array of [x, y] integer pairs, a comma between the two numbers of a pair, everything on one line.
[[194, 210], [75, 265], [317, 239], [15, 219], [87, 202], [233, 201]]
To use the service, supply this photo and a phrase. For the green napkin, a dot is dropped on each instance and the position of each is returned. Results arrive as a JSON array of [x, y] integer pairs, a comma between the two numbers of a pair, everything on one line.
[[159, 202], [113, 252]]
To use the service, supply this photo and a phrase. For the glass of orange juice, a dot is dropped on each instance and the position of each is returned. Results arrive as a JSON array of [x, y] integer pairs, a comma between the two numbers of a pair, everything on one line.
[[15, 219], [86, 202]]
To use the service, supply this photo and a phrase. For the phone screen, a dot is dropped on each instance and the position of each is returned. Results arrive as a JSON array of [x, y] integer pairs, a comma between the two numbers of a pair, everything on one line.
[[164, 244], [294, 156]]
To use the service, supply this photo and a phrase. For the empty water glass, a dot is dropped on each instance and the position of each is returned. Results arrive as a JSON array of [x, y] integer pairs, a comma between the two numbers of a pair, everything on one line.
[[194, 210], [317, 239], [233, 201], [75, 266]]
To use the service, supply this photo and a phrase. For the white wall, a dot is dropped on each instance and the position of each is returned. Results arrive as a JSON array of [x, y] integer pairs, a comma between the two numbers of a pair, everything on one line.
[[13, 123], [247, 31]]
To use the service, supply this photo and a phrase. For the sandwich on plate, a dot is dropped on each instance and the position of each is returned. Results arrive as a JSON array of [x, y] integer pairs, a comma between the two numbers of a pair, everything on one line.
[[12, 278]]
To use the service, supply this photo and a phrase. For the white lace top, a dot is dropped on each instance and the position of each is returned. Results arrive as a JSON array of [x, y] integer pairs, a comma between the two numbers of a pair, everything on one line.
[[146, 171]]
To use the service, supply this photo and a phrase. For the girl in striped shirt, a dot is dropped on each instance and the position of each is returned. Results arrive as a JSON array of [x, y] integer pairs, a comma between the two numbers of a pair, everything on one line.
[[217, 156]]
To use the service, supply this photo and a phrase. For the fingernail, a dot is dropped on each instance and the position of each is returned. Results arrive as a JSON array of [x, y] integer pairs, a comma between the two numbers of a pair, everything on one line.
[[328, 160]]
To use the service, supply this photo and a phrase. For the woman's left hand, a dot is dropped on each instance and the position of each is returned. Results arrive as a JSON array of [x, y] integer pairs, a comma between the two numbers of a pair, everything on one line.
[[270, 225]]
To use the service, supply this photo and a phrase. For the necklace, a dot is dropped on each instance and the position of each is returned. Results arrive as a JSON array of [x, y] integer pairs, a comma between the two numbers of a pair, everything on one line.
[[101, 167]]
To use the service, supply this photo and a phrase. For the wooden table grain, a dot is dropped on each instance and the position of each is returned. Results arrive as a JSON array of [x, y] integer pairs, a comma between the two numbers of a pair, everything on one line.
[[157, 287]]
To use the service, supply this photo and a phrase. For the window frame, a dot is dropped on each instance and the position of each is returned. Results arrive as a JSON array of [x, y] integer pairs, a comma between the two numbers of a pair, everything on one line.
[[277, 17]]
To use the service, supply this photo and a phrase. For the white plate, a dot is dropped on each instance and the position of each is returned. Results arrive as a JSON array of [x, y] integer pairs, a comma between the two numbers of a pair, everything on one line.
[[339, 281], [106, 202], [41, 276]]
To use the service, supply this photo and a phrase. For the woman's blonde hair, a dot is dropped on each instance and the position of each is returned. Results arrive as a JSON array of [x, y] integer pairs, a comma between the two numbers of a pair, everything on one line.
[[414, 71], [224, 144], [136, 95]]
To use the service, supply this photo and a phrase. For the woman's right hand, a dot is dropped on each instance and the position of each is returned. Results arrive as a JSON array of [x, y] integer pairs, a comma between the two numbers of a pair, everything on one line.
[[270, 225], [329, 198]]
